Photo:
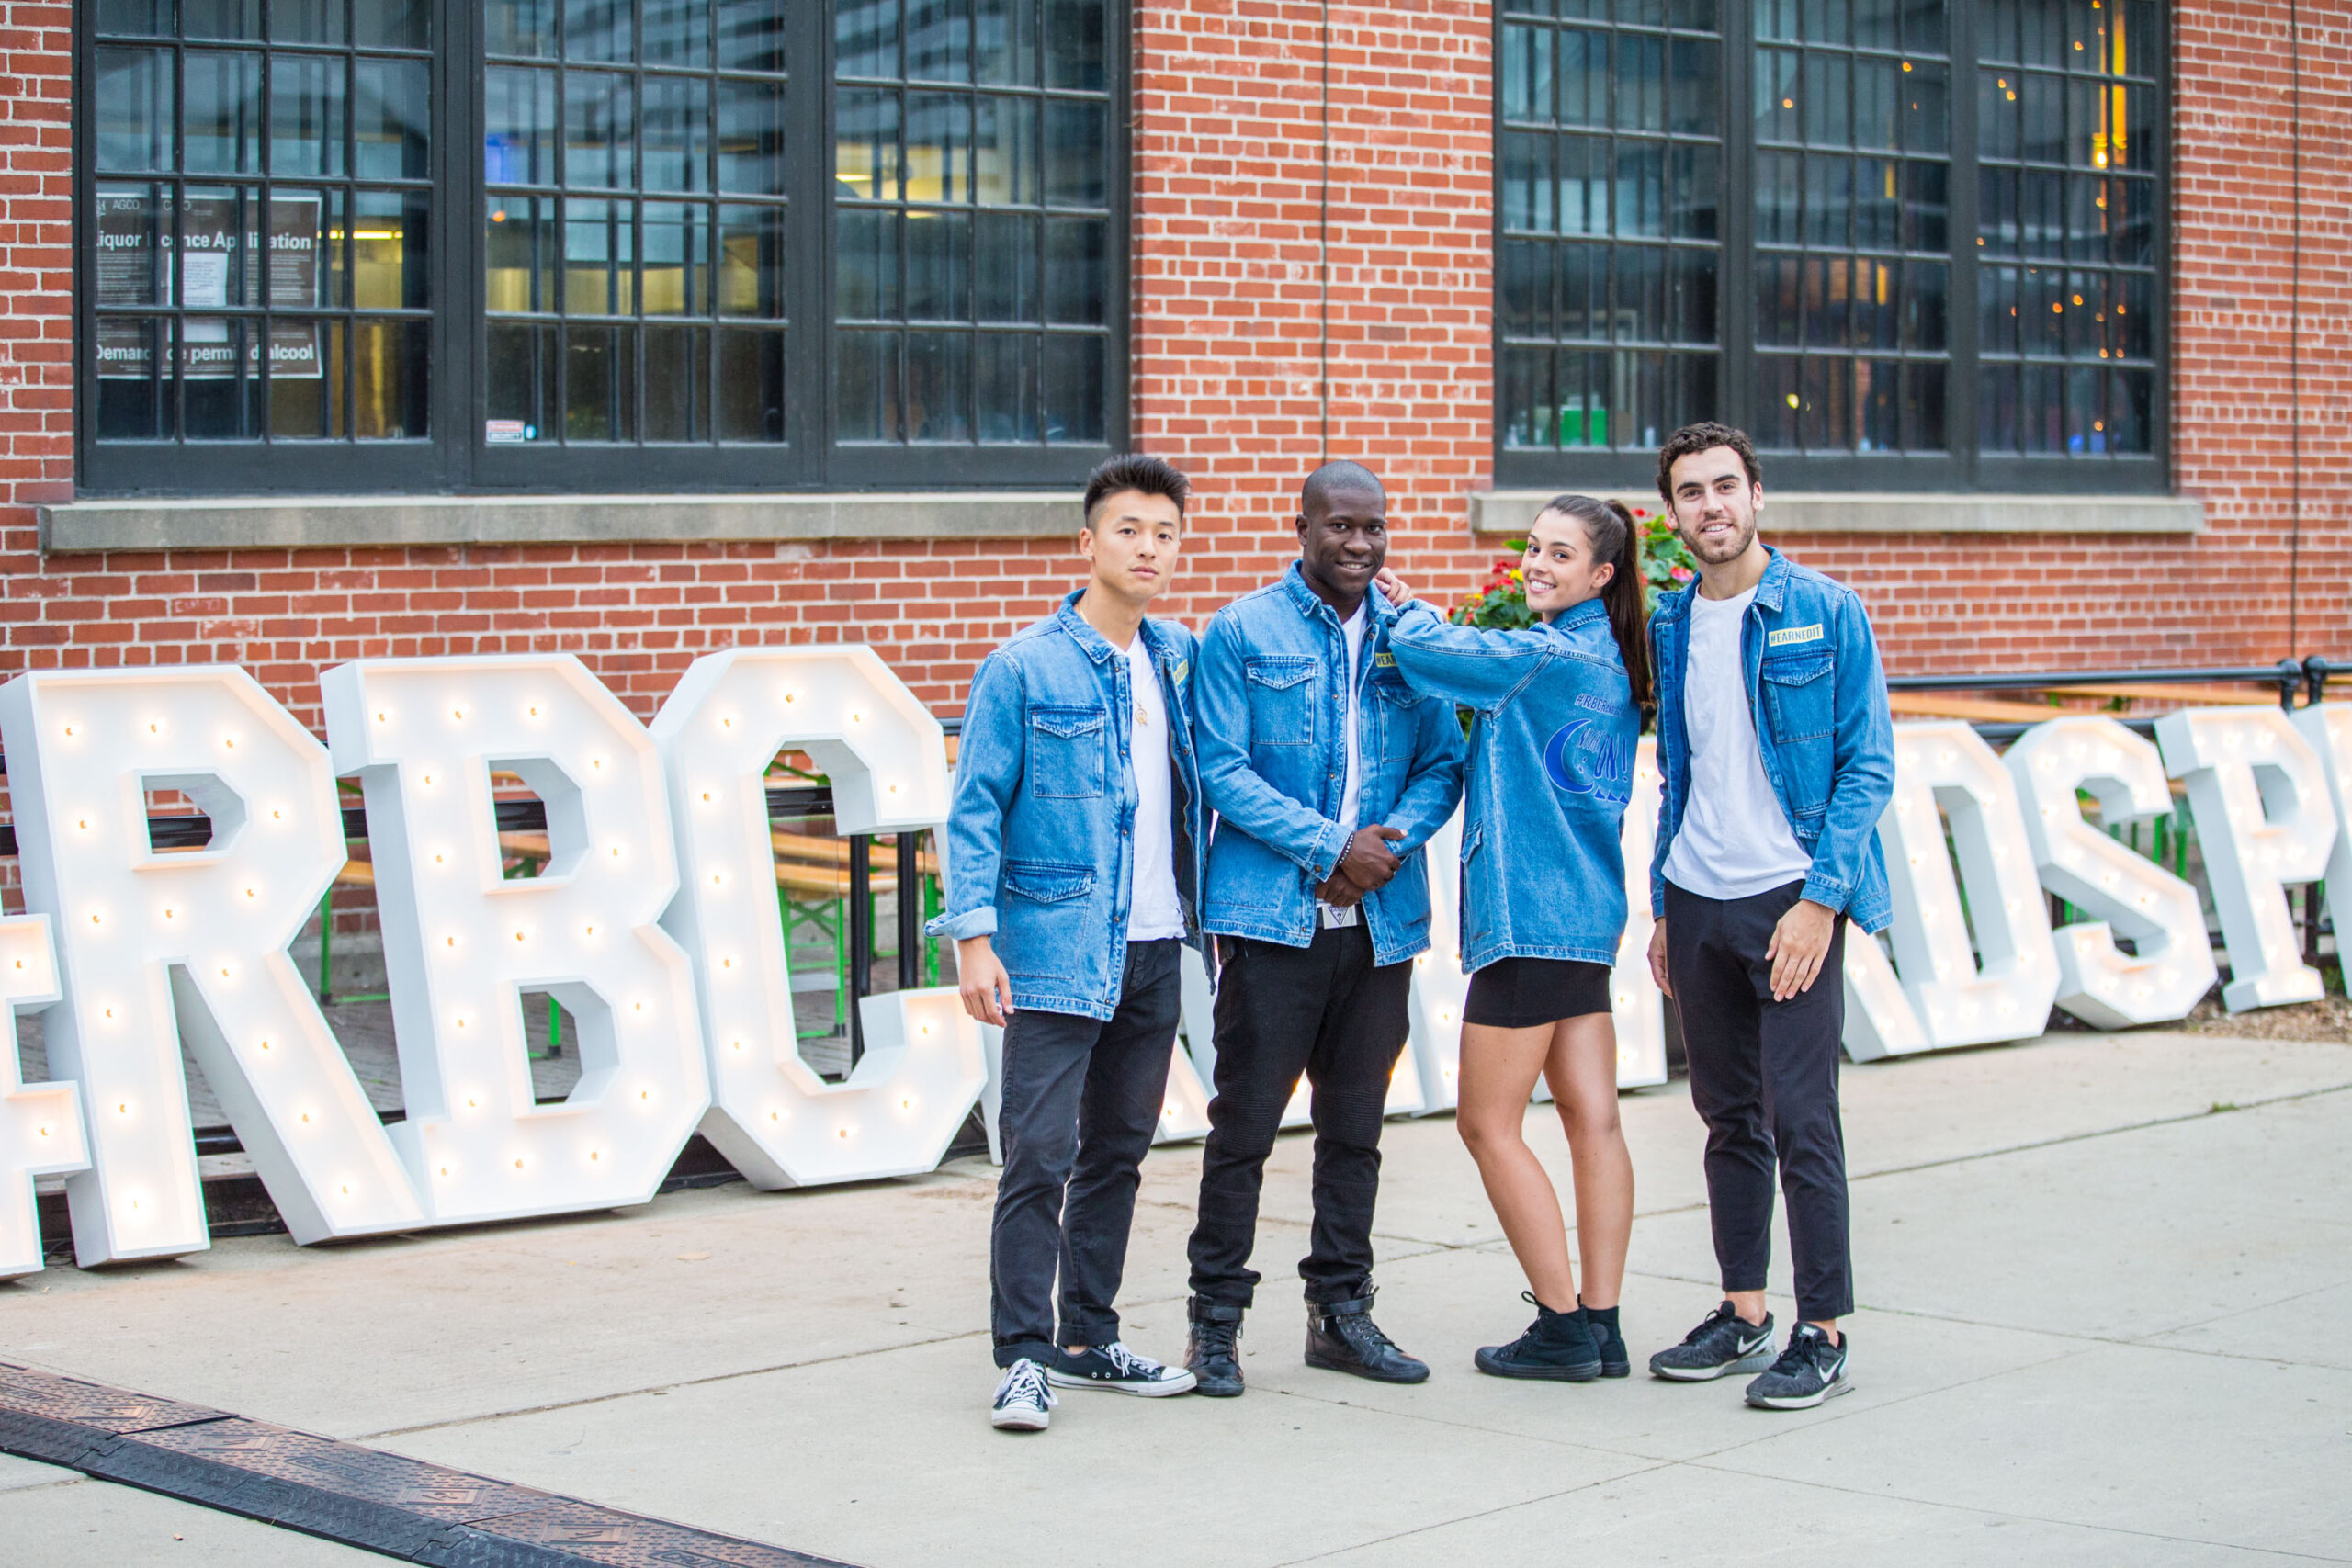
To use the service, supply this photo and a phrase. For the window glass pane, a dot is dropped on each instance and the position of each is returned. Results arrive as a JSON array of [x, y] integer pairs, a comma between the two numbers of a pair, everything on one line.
[[1825, 103], [1523, 288], [939, 40], [677, 378], [1005, 42], [1526, 403], [939, 247], [1641, 82], [1007, 386], [1585, 165], [524, 376], [939, 385], [676, 272], [306, 114], [389, 240], [306, 380], [677, 133], [151, 17], [1925, 95], [600, 383], [1584, 76], [1876, 24], [599, 130], [522, 247], [1073, 394], [1074, 44], [1776, 72], [220, 18], [389, 378], [1696, 86], [1923, 406], [393, 24], [222, 118], [1075, 147], [1641, 294], [1641, 189], [1584, 291], [394, 120], [1526, 72], [517, 26], [939, 147], [865, 391], [865, 38], [599, 259], [750, 385], [750, 140], [1693, 169], [865, 265], [518, 139], [135, 108], [677, 32], [751, 34], [1006, 266], [750, 261], [865, 149], [1005, 152], [1527, 181], [1879, 102], [1075, 270], [599, 29]]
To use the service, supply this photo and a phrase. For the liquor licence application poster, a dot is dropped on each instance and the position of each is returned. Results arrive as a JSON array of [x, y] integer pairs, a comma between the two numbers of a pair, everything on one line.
[[221, 262]]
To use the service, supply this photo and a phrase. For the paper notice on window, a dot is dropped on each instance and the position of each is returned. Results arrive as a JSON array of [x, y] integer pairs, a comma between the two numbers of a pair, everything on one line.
[[222, 250]]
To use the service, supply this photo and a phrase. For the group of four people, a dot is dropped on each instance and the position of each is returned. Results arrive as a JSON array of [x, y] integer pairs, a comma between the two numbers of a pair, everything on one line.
[[1264, 792]]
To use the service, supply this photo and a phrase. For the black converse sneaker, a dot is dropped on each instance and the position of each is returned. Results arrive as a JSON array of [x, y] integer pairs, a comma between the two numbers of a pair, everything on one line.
[[1023, 1403], [1810, 1370], [1722, 1343], [1117, 1367]]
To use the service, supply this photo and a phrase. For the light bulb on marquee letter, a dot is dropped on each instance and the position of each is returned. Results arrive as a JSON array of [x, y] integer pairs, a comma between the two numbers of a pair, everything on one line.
[[2328, 728], [771, 1115], [461, 942], [2259, 798], [2124, 892], [40, 1125], [1946, 764], [155, 949]]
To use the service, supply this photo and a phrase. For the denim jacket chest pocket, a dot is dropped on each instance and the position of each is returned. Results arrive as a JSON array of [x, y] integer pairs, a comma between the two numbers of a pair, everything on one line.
[[1398, 707], [1800, 704], [1282, 699], [1066, 751]]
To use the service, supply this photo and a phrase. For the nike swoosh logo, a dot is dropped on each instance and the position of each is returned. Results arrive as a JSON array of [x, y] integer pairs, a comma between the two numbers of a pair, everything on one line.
[[1749, 1347]]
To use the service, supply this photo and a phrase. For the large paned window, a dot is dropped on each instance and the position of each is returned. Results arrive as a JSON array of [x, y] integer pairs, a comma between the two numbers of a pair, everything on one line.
[[1928, 254], [599, 244]]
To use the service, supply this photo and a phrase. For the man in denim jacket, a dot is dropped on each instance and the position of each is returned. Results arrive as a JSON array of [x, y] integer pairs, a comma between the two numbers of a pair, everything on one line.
[[1328, 773], [1073, 878], [1776, 753]]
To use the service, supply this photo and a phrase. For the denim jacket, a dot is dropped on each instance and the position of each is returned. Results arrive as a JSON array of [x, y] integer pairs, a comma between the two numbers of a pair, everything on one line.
[[1273, 715], [1551, 769], [1819, 701], [1040, 828]]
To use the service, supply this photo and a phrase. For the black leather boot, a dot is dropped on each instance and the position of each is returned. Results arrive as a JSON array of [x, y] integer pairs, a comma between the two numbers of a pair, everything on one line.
[[1341, 1337], [1211, 1348]]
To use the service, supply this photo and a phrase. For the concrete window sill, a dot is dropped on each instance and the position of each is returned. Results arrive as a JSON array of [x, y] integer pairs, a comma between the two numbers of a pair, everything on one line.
[[392, 522], [1510, 511]]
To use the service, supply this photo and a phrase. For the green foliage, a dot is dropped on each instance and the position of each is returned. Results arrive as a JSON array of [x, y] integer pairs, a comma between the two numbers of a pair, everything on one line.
[[1501, 602]]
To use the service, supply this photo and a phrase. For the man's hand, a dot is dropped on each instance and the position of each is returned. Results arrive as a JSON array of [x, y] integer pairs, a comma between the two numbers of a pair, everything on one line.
[[1799, 944], [1392, 588], [986, 989], [1339, 892], [1657, 956], [1369, 862]]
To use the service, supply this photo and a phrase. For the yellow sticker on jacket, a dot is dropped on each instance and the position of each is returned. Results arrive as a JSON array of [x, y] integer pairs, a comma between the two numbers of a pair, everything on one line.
[[1788, 634], [1181, 668], [1384, 661]]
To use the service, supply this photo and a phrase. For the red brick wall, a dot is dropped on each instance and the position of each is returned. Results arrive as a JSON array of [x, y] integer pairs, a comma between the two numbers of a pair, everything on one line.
[[1230, 347]]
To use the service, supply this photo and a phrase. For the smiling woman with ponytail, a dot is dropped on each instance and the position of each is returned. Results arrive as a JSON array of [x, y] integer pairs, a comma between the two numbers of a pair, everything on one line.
[[1558, 714]]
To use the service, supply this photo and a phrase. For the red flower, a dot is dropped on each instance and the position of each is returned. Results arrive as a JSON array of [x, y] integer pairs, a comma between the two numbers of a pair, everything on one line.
[[1680, 574]]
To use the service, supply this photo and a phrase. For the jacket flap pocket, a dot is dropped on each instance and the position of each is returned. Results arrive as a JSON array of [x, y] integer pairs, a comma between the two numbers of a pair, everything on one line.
[[1471, 840], [1046, 883], [1067, 721], [1795, 671], [1279, 673], [1393, 691]]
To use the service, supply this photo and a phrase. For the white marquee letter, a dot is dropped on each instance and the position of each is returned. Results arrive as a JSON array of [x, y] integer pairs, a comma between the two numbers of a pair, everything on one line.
[[40, 1125], [461, 944], [1440, 988], [154, 947], [2259, 799], [2328, 728], [2098, 982], [1946, 764], [771, 1115], [1641, 1011]]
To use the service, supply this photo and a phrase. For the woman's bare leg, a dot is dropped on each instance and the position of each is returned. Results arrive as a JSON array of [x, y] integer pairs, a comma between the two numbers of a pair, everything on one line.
[[1581, 1067], [1499, 1067]]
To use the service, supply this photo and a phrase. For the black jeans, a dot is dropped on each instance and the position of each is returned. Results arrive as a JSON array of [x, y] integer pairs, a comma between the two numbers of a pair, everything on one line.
[[1328, 1011], [1081, 1098], [1764, 1076]]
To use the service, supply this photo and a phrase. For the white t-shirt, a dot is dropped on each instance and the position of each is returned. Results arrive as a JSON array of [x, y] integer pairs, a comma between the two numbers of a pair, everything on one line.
[[1155, 912], [1734, 840], [1351, 785]]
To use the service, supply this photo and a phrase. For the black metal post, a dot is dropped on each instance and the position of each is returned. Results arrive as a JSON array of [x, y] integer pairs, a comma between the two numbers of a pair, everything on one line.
[[909, 911], [2291, 675], [861, 938], [2316, 673]]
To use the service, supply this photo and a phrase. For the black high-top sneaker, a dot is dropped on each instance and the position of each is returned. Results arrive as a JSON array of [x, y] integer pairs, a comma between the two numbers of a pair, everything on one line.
[[1557, 1347], [1616, 1361], [1212, 1350], [1341, 1337]]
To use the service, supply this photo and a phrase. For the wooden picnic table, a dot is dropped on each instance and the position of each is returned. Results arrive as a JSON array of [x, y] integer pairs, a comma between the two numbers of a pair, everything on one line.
[[1987, 710]]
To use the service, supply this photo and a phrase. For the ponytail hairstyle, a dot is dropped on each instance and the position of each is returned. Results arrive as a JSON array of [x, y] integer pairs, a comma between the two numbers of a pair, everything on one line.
[[1609, 530]]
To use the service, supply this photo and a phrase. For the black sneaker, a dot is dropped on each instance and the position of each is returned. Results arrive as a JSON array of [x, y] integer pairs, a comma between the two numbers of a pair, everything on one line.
[[1810, 1370], [1212, 1350], [1341, 1337], [1724, 1343], [1557, 1347], [1616, 1361], [1114, 1366], [1023, 1403]]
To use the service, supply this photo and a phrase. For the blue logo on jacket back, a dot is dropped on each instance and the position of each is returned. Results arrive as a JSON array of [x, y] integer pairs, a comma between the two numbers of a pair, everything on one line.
[[1605, 762]]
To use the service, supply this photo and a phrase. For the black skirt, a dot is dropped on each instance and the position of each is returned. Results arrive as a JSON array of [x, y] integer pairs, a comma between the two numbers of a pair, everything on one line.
[[1521, 993]]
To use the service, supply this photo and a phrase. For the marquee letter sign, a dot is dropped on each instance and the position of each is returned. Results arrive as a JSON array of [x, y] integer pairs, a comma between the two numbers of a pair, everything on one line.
[[40, 1125], [771, 1115], [2263, 820], [461, 942], [1949, 765], [2328, 729], [160, 947], [2123, 891]]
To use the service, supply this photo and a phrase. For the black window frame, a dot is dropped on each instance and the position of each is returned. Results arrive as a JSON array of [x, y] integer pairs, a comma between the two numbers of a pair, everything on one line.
[[455, 458], [1964, 466]]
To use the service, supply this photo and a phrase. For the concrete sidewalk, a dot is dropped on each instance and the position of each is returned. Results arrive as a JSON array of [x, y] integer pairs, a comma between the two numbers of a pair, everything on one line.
[[2108, 1288]]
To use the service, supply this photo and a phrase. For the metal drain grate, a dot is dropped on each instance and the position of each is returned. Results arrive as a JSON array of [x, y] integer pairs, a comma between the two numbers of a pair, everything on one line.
[[388, 1503]]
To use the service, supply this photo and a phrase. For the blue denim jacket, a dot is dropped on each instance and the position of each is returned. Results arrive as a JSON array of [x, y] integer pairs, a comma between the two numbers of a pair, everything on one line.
[[1551, 769], [1819, 700], [1041, 830], [1271, 715]]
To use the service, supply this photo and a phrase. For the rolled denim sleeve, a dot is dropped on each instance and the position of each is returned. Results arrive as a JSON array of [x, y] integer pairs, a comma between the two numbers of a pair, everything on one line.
[[989, 760], [1246, 802], [1863, 779], [1477, 669]]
